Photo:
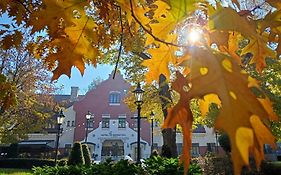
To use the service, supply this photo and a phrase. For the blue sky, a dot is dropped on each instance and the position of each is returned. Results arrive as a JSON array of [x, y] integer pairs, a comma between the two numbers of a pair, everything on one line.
[[91, 73], [76, 79]]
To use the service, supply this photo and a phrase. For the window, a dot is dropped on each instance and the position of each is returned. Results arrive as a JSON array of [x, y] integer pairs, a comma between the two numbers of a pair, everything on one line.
[[67, 148], [195, 149], [211, 147], [122, 123], [105, 123], [73, 123], [179, 148], [114, 98], [68, 123]]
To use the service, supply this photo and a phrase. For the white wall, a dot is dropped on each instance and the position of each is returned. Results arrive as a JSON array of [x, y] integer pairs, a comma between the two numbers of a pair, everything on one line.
[[67, 135], [126, 135]]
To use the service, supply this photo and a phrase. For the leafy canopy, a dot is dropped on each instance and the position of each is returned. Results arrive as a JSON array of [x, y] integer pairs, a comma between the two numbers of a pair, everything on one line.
[[209, 69]]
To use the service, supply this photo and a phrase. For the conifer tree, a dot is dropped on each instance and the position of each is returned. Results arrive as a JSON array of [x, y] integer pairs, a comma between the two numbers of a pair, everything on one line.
[[76, 155]]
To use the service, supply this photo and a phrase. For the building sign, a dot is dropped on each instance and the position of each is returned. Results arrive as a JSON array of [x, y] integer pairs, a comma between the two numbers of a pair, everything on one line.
[[110, 134]]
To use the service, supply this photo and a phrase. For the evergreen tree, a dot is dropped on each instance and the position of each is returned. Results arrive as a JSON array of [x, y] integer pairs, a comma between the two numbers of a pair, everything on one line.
[[86, 154], [76, 155]]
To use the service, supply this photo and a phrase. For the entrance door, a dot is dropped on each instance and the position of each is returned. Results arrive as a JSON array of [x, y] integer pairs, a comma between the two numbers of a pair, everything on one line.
[[113, 149]]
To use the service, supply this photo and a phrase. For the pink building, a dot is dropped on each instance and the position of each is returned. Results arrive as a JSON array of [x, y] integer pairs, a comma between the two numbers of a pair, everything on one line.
[[112, 128]]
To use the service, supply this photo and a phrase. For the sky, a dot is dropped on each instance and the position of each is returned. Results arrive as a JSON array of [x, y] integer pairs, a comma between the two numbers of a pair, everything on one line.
[[76, 79]]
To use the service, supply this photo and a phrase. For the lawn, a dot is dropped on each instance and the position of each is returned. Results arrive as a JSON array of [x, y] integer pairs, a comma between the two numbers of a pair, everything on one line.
[[9, 171]]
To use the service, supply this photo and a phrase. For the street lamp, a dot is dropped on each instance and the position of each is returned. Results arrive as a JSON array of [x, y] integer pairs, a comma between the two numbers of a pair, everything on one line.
[[88, 117], [138, 95], [152, 118], [217, 150], [60, 118]]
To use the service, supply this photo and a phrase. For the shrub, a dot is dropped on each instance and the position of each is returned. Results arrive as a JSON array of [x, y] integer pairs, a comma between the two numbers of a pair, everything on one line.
[[106, 168], [25, 163], [271, 167], [152, 166], [157, 165], [123, 167], [154, 153], [13, 151], [62, 162], [213, 165], [76, 155], [61, 170], [86, 154]]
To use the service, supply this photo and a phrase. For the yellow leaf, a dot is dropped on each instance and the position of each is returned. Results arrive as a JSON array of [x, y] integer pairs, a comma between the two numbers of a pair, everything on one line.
[[267, 104], [204, 103], [227, 19], [260, 51], [238, 103], [168, 14], [158, 64], [244, 139], [263, 136]]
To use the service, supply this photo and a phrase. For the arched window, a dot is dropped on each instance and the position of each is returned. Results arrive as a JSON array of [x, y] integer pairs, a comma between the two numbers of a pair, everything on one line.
[[114, 98]]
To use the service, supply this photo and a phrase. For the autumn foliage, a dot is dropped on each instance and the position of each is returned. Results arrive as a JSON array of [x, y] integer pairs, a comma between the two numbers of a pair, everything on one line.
[[209, 69]]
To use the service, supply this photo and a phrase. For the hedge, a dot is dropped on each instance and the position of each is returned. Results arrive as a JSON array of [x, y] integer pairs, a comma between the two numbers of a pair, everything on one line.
[[155, 165], [25, 163]]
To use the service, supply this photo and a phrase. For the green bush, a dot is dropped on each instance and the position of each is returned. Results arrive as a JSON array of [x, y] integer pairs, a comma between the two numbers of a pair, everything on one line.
[[106, 168], [76, 155], [61, 170], [212, 164], [25, 163], [152, 166], [62, 162], [86, 154], [157, 165], [13, 151], [271, 167]]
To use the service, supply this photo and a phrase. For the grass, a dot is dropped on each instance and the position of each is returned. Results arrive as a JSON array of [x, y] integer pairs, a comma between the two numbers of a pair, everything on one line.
[[5, 171]]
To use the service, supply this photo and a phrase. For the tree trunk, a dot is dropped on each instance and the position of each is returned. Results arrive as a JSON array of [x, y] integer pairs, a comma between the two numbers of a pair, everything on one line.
[[169, 134]]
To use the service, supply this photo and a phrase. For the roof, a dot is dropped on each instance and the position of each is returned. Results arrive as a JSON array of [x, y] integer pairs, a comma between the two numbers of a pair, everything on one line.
[[199, 129], [65, 99], [35, 142]]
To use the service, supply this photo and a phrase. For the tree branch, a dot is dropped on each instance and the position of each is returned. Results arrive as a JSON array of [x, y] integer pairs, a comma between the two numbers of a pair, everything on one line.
[[149, 32], [22, 4], [121, 42]]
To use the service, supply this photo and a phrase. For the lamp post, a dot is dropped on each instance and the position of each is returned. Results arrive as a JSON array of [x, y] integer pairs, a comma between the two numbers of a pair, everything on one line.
[[138, 95], [60, 119], [152, 122], [217, 150], [88, 117]]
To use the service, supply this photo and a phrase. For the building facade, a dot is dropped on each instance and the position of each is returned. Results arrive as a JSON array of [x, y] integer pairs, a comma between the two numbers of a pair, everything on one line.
[[112, 128]]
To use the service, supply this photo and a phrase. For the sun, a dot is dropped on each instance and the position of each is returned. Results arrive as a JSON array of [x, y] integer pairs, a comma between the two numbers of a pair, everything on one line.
[[194, 35]]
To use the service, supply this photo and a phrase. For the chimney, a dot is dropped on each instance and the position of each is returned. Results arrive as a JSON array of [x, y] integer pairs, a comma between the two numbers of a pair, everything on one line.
[[74, 93]]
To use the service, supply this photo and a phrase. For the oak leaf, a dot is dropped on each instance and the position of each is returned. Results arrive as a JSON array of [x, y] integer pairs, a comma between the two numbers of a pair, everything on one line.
[[260, 51], [159, 63], [238, 103], [227, 19]]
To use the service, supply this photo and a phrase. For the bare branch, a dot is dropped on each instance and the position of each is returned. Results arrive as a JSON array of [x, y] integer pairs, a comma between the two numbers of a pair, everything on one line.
[[121, 42]]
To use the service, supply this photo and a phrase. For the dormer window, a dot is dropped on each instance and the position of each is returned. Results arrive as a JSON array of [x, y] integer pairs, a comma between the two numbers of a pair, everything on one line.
[[114, 98]]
